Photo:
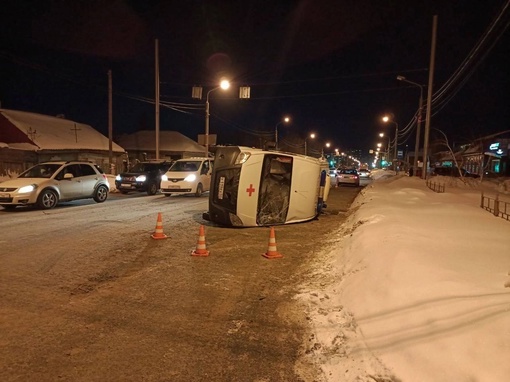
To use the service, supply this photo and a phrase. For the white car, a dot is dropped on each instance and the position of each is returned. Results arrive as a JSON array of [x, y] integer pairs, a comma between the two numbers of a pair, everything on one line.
[[187, 176], [364, 173], [347, 176], [332, 177]]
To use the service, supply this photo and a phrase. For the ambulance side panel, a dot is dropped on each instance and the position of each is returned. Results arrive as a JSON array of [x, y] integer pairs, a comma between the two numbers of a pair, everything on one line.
[[249, 189]]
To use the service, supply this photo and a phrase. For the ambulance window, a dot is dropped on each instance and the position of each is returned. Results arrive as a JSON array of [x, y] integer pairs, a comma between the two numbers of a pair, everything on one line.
[[274, 196]]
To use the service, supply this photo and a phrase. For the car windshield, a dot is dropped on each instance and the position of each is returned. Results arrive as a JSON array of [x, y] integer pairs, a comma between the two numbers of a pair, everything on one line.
[[45, 170], [146, 167], [185, 166]]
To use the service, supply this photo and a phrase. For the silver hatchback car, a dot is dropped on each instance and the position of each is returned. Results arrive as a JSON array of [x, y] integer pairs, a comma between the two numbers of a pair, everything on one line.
[[46, 184]]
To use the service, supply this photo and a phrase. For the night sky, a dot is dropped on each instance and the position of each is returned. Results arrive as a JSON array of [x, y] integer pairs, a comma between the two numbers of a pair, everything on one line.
[[330, 65]]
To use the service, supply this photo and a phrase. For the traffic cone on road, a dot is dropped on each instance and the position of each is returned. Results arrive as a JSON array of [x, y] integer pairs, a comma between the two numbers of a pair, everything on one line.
[[201, 248], [159, 234], [272, 253]]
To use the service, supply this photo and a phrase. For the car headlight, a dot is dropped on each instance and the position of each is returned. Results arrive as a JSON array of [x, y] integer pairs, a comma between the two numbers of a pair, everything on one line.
[[27, 189], [118, 178], [164, 178], [242, 157], [190, 178], [141, 178]]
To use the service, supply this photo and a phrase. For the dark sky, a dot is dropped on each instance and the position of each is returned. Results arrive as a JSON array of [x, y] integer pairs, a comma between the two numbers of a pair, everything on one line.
[[330, 65]]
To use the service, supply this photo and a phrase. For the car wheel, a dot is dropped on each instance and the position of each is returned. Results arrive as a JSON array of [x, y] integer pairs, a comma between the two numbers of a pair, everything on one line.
[[47, 199], [168, 195], [152, 189], [8, 207], [199, 191], [101, 194]]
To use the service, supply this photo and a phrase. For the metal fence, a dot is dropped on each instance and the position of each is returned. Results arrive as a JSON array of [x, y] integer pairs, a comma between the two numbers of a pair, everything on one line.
[[497, 207], [436, 187]]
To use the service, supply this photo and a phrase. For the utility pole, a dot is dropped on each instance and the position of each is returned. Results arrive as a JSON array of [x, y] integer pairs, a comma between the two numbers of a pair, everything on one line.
[[418, 132], [110, 123], [156, 70], [429, 99]]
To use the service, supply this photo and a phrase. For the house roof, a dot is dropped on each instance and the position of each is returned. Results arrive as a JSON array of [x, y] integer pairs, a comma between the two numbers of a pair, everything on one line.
[[32, 131], [168, 141]]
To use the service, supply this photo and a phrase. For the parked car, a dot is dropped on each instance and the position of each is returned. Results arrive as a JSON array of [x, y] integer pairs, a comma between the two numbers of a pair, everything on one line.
[[188, 176], [143, 177], [46, 184], [364, 173], [347, 176], [453, 171], [332, 177]]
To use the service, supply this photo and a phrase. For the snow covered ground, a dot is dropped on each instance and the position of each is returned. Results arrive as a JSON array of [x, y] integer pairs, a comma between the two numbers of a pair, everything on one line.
[[415, 288]]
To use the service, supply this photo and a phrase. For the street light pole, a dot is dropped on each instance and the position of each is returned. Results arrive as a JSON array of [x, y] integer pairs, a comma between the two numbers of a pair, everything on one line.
[[396, 143], [224, 85], [325, 145], [418, 122], [286, 120], [387, 119], [207, 123], [311, 136]]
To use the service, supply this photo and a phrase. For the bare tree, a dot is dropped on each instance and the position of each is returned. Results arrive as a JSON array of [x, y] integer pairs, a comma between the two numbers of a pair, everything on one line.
[[444, 142]]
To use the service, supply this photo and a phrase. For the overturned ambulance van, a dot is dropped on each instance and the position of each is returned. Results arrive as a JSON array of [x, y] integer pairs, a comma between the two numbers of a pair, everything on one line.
[[253, 187]]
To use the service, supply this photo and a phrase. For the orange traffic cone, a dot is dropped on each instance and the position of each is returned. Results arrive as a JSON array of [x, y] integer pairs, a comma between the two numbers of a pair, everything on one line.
[[158, 234], [272, 253], [201, 249]]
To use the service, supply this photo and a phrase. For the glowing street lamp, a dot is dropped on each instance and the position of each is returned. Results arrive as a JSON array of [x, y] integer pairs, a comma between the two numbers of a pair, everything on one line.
[[327, 144], [312, 136], [284, 120], [224, 85], [387, 119]]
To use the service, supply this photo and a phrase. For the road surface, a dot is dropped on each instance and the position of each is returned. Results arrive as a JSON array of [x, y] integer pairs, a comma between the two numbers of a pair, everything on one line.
[[87, 295]]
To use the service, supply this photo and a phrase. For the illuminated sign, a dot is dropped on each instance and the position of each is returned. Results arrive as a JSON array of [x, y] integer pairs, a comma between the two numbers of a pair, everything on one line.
[[494, 146]]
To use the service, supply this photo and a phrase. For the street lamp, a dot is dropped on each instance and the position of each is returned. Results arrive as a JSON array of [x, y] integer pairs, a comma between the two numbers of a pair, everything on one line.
[[327, 144], [284, 120], [224, 84], [387, 119], [387, 147], [418, 122], [312, 136]]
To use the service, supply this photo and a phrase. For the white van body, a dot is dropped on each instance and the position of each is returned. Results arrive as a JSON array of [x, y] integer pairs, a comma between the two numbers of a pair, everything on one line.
[[187, 176], [252, 187]]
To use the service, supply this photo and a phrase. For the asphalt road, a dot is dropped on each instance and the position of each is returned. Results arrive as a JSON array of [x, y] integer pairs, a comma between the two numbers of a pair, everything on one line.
[[87, 295]]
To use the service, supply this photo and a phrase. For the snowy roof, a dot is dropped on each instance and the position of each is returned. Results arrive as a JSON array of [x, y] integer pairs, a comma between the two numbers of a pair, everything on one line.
[[168, 141], [43, 132]]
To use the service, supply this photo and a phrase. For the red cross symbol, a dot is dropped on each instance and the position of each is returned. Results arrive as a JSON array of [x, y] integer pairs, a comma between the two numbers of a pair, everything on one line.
[[250, 190]]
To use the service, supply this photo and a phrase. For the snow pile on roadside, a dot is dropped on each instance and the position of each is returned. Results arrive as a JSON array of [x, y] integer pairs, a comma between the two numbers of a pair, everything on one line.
[[416, 288]]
